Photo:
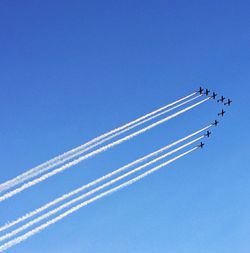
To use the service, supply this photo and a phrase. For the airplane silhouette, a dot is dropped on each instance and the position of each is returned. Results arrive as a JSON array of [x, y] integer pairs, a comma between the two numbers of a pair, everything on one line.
[[201, 145], [221, 113], [221, 99], [229, 101], [208, 134]]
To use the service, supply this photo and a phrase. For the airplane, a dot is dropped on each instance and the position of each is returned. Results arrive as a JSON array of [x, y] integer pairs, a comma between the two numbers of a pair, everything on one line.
[[214, 95], [207, 92], [228, 102], [201, 145], [221, 113], [221, 99], [201, 90], [208, 134], [215, 123]]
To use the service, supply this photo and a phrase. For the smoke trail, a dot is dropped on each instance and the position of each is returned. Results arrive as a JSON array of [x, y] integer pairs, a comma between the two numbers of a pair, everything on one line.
[[95, 152], [108, 138], [68, 155], [90, 145], [99, 180], [65, 196], [38, 229], [73, 201]]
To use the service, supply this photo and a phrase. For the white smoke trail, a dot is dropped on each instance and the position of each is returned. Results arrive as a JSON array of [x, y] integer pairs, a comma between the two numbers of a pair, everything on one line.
[[108, 138], [38, 229], [95, 152], [83, 148], [83, 196], [99, 180]]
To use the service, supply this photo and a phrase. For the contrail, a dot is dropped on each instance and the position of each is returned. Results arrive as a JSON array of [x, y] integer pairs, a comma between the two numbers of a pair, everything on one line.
[[95, 152], [99, 180], [89, 145], [73, 201], [38, 172], [38, 229]]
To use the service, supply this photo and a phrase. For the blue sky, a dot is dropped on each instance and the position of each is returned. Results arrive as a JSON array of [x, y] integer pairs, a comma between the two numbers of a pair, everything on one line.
[[71, 70]]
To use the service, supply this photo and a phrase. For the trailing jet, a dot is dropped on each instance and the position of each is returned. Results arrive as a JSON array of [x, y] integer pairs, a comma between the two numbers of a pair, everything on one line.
[[201, 145], [221, 113], [228, 102], [201, 90], [208, 134], [215, 123], [221, 99], [214, 95], [207, 92]]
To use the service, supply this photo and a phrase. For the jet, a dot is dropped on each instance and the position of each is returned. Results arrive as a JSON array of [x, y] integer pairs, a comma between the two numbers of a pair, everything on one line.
[[201, 90], [214, 95], [208, 134], [201, 145], [228, 102], [207, 92], [221, 99], [215, 123], [221, 113]]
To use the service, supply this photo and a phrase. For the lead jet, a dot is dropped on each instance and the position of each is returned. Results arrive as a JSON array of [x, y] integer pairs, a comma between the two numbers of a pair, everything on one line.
[[215, 123], [214, 95], [221, 99], [207, 92], [201, 90], [228, 102], [201, 145], [221, 113], [207, 134]]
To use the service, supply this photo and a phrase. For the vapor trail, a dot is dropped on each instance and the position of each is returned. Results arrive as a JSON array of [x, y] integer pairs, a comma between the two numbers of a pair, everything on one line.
[[83, 196], [74, 152], [102, 141], [99, 180], [95, 152], [91, 144], [87, 202]]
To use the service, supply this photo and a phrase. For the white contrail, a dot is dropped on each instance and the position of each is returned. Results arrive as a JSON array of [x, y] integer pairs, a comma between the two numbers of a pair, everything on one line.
[[83, 196], [91, 144], [38, 229], [42, 170], [95, 152], [99, 180], [68, 155]]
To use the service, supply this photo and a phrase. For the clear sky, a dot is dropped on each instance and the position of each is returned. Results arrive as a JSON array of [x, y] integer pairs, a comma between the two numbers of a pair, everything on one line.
[[71, 70]]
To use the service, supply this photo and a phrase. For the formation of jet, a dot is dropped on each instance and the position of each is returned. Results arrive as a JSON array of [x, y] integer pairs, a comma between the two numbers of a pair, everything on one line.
[[222, 100], [213, 96]]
